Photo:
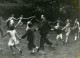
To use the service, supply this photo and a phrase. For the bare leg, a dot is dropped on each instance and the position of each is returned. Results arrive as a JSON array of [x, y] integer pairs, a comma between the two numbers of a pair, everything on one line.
[[18, 49], [66, 39], [11, 47], [61, 37], [57, 39], [67, 36], [76, 37]]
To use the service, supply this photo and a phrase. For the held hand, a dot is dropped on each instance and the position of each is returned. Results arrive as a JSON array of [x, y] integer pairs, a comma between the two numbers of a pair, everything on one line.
[[52, 29], [61, 29], [36, 28], [15, 26]]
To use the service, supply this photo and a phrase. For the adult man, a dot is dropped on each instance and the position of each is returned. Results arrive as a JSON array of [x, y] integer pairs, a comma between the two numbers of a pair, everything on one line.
[[44, 30]]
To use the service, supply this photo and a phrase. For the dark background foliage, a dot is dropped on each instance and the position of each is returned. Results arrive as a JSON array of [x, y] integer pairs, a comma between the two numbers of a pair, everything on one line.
[[52, 9]]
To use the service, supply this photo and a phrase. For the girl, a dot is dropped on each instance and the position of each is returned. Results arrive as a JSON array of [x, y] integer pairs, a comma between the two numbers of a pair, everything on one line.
[[30, 38], [13, 41], [67, 30], [20, 21], [76, 29], [10, 22]]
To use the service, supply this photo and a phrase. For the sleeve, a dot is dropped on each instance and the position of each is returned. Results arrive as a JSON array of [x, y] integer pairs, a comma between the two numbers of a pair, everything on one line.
[[24, 35], [40, 27], [49, 26]]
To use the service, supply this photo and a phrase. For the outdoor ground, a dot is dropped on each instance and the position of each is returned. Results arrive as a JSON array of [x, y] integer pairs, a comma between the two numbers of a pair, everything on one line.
[[70, 50]]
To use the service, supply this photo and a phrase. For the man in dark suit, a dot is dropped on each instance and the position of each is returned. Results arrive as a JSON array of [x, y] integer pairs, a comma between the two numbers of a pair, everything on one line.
[[44, 30]]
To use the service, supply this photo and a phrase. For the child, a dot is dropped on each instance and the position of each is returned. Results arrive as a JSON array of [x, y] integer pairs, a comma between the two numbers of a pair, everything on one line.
[[10, 22], [20, 21], [59, 32], [30, 21], [13, 41], [30, 38], [76, 29], [67, 30]]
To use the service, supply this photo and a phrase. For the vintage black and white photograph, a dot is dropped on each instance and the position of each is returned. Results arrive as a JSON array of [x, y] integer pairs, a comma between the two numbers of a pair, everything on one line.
[[39, 28]]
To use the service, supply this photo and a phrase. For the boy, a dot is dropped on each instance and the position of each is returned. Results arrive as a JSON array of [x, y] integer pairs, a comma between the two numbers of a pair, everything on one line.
[[20, 21], [59, 33], [30, 38], [13, 41]]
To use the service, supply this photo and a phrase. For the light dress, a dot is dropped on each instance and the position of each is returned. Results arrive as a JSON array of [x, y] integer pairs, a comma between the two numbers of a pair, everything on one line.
[[68, 30], [12, 41]]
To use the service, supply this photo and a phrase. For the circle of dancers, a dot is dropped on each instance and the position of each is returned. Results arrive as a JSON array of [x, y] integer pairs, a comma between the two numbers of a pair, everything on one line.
[[44, 29]]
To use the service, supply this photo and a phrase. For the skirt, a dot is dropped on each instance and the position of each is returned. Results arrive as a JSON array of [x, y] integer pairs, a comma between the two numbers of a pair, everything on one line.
[[13, 42]]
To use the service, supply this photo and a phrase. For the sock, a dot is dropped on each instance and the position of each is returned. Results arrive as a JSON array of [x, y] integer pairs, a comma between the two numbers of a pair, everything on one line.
[[75, 37], [37, 47]]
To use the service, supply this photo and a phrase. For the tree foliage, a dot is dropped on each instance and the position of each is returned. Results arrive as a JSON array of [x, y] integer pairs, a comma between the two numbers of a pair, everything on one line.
[[52, 9]]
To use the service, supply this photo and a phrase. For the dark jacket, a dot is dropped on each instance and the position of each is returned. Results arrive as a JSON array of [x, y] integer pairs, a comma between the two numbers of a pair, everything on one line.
[[45, 27]]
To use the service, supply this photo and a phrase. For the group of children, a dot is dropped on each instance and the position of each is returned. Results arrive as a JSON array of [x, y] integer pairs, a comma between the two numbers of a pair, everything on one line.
[[67, 30], [11, 31], [13, 41]]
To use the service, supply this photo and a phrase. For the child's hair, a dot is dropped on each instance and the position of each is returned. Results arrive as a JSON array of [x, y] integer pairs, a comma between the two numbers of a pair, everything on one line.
[[30, 24]]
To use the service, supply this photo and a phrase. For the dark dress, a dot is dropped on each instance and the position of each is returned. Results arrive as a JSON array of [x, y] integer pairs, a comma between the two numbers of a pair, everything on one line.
[[30, 38]]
